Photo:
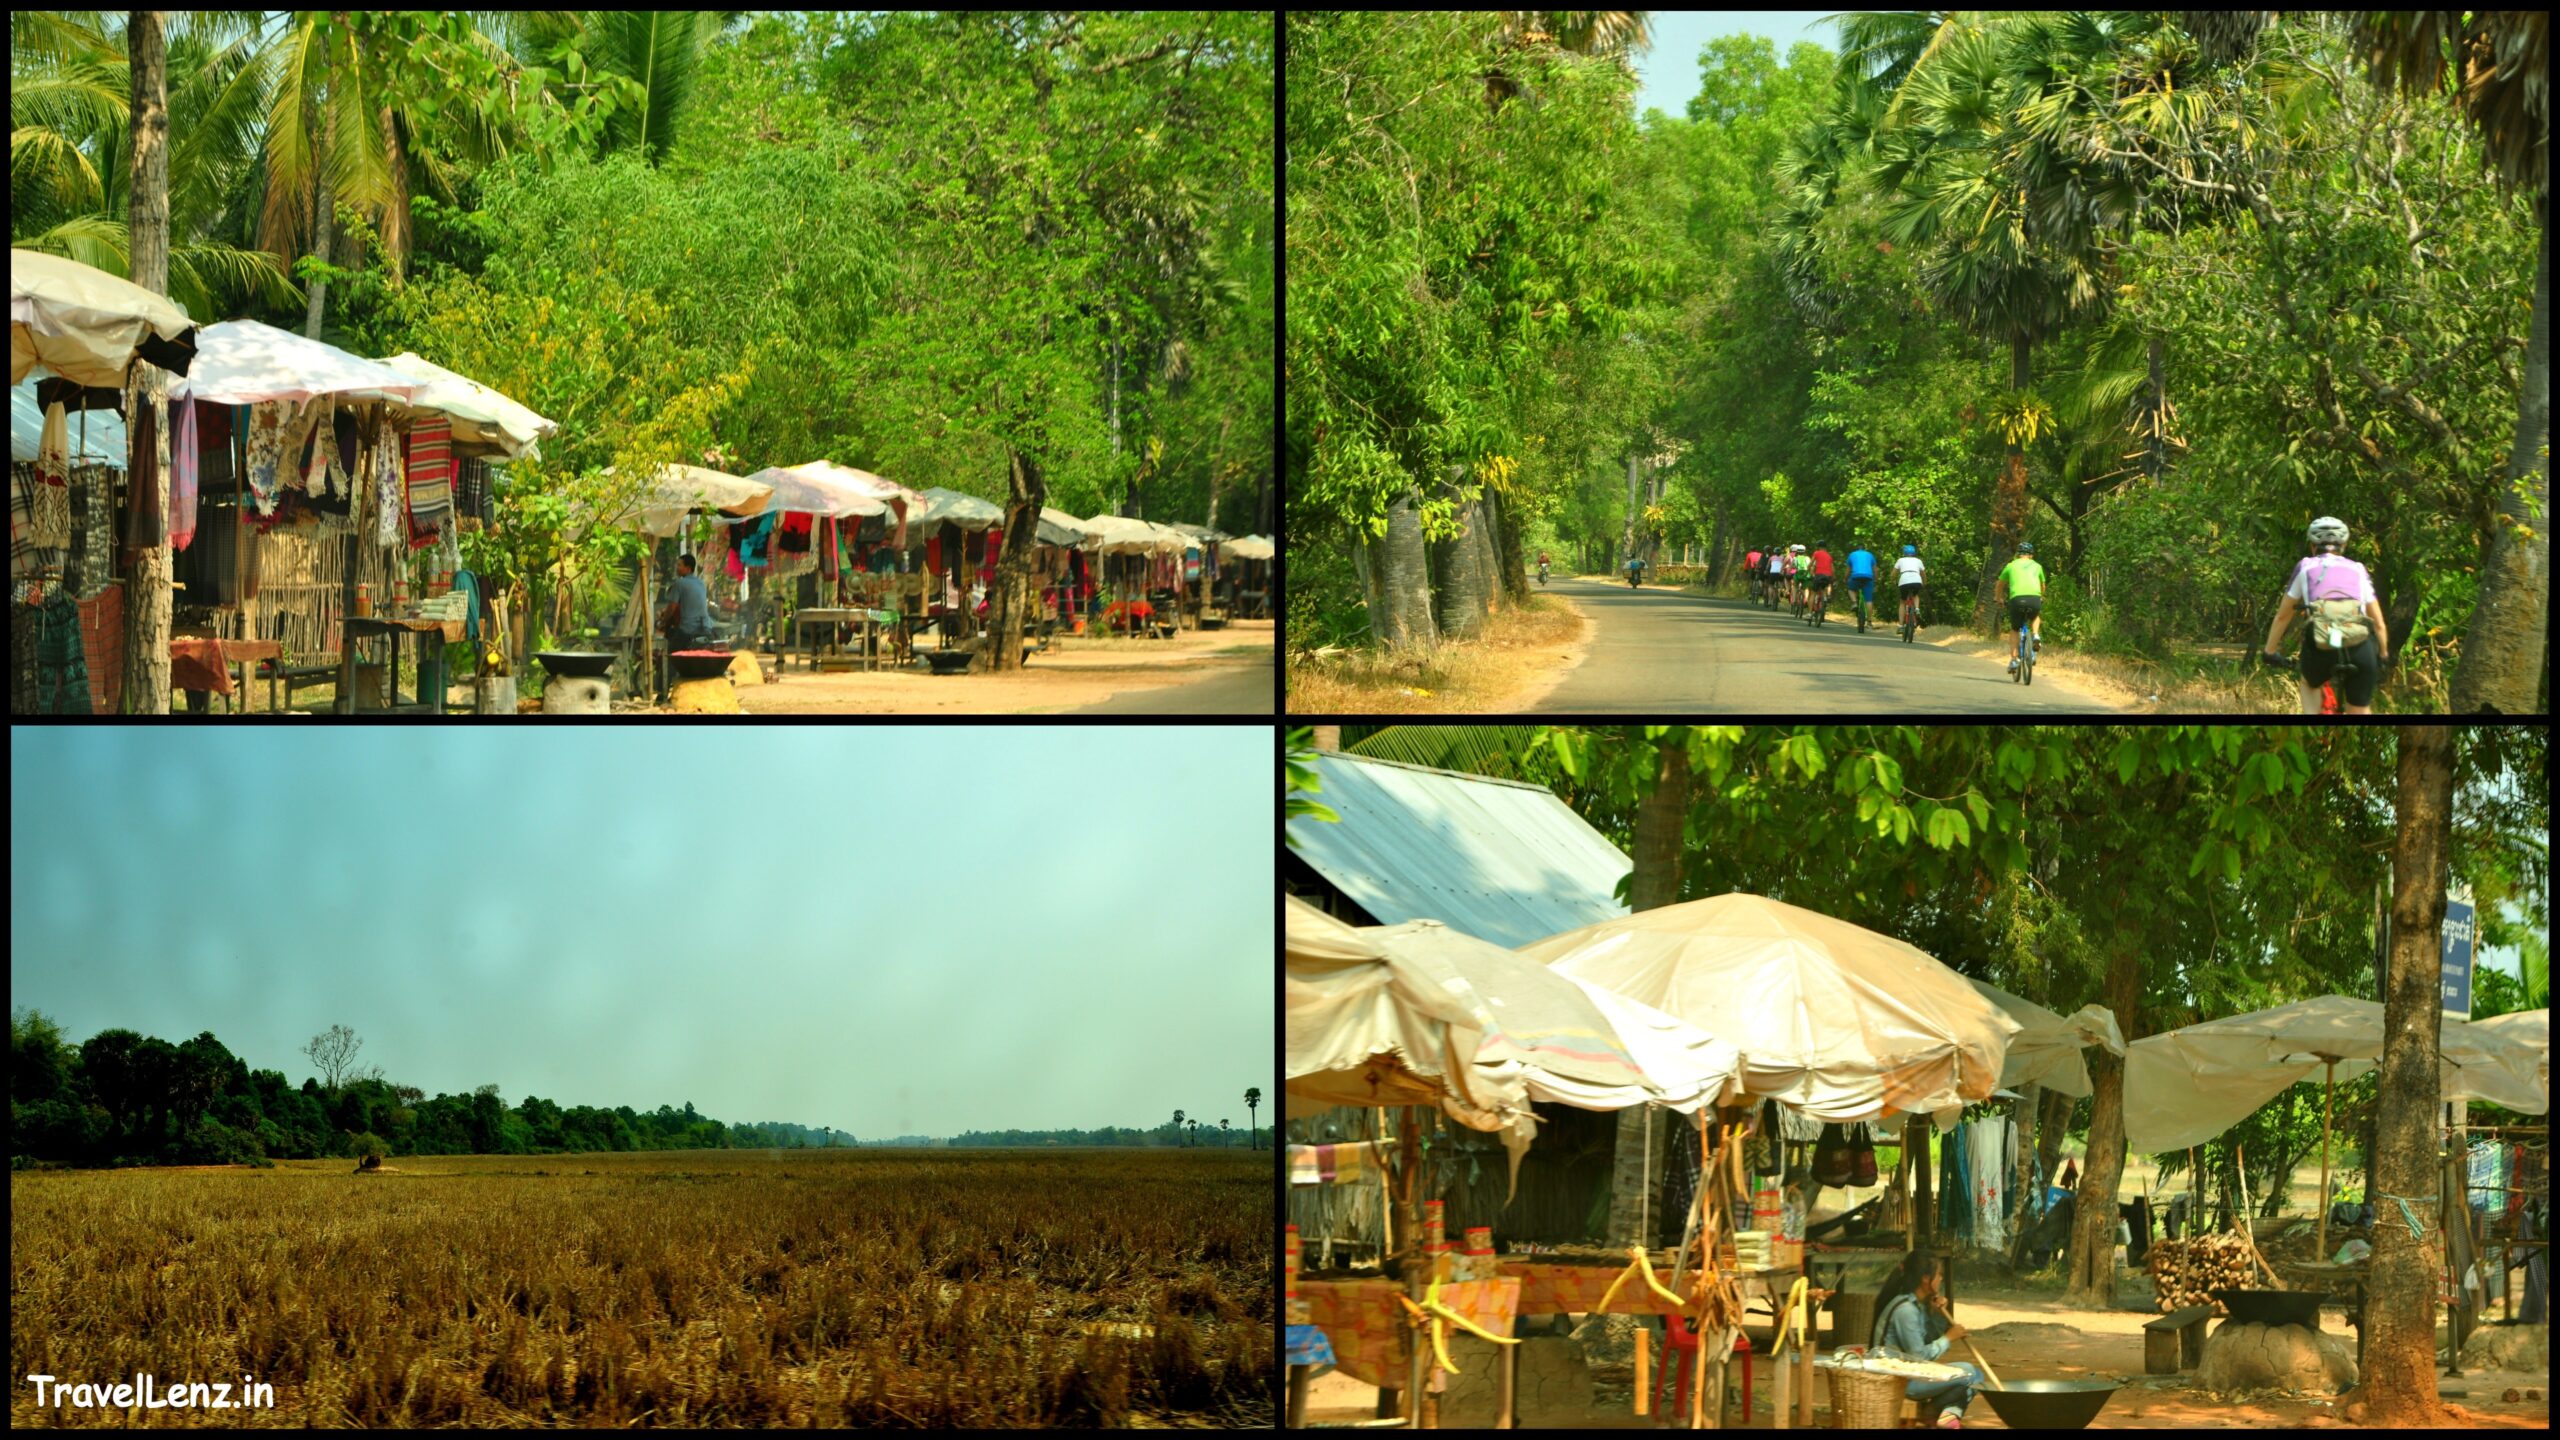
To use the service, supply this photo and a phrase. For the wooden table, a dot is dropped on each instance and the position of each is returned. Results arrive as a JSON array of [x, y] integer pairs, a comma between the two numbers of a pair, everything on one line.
[[1371, 1341], [866, 622], [231, 652], [430, 659]]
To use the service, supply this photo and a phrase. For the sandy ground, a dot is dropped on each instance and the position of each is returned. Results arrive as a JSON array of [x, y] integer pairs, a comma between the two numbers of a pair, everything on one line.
[[2025, 1335], [1075, 671]]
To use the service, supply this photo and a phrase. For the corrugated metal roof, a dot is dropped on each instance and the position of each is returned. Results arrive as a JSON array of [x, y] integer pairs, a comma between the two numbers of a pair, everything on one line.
[[1501, 860]]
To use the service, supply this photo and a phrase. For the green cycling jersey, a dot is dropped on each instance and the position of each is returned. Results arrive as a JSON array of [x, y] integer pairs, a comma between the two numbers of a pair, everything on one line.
[[2023, 576]]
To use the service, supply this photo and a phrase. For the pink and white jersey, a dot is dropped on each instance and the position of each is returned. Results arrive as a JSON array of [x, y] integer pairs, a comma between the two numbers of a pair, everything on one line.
[[2329, 577]]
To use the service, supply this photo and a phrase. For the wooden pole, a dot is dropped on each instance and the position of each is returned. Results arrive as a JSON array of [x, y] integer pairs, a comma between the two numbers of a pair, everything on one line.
[[2327, 1093]]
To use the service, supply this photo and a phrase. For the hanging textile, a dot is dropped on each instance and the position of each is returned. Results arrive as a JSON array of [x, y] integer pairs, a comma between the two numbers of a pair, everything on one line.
[[1988, 1169], [390, 496], [323, 443], [755, 542], [293, 466], [362, 508], [267, 424], [430, 467], [1955, 1183], [102, 648], [62, 667], [146, 515], [49, 514], [182, 477]]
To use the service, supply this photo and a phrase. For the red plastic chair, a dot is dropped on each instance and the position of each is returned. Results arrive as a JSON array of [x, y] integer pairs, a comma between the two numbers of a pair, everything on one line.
[[1677, 1341]]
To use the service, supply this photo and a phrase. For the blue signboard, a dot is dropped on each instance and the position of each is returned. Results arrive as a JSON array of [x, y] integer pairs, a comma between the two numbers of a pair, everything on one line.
[[2456, 988]]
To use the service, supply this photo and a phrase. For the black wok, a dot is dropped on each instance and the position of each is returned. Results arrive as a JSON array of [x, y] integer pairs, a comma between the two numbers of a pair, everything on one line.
[[2049, 1404]]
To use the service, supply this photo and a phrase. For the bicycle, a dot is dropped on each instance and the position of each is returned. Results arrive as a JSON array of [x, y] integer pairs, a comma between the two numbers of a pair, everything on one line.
[[1910, 615], [1771, 592], [2026, 671], [1795, 598], [1821, 607], [1862, 607], [1542, 576], [2346, 669]]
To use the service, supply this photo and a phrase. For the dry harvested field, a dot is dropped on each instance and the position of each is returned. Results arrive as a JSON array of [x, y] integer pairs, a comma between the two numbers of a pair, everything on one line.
[[828, 1288]]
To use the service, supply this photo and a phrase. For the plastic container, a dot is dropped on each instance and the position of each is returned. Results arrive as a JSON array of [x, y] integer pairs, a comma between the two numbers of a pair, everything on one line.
[[364, 600]]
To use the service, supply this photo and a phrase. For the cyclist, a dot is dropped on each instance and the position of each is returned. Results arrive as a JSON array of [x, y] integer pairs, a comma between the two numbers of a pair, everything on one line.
[[1635, 571], [1751, 569], [1908, 575], [1799, 573], [1862, 577], [1542, 567], [2021, 584], [1821, 577], [1776, 582], [2346, 620]]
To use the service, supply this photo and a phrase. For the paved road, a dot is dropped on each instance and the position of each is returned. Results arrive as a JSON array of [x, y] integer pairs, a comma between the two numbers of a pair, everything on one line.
[[1229, 690], [1663, 652]]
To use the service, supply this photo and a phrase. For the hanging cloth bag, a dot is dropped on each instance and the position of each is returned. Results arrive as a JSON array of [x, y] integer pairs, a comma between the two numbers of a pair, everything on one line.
[[1831, 1162], [1862, 1156]]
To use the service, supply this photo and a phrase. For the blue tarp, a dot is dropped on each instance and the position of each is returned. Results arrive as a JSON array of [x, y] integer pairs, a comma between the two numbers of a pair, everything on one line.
[[100, 443]]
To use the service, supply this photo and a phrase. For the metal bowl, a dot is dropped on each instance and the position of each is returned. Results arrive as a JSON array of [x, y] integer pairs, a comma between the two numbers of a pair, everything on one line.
[[2049, 1404], [948, 662], [2273, 1307], [699, 664], [577, 664]]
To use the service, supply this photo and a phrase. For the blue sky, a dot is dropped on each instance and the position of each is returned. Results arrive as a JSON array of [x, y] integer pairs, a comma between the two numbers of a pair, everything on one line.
[[1669, 69], [889, 931]]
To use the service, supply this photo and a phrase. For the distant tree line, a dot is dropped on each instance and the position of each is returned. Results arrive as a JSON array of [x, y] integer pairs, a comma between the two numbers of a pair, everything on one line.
[[122, 1098], [1106, 1135]]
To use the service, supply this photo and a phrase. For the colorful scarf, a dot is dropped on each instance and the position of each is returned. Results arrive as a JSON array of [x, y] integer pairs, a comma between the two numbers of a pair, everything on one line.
[[389, 495], [49, 512], [182, 478], [266, 454]]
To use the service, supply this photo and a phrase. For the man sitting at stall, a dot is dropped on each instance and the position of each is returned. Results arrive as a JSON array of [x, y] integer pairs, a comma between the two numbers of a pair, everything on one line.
[[686, 617], [1905, 1318]]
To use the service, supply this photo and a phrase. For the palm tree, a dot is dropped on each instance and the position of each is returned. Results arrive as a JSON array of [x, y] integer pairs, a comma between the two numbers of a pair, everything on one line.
[[1252, 1102], [1177, 1122], [662, 50], [1223, 1136], [71, 172]]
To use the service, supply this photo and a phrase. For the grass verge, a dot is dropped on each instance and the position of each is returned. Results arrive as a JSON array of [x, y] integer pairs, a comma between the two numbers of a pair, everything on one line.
[[1522, 650]]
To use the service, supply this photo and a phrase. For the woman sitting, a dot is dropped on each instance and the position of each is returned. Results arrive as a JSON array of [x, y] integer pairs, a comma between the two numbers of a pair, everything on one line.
[[1909, 1327]]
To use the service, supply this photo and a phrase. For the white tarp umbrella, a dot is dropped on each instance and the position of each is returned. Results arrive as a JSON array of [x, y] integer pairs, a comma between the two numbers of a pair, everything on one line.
[[85, 325], [1367, 1028], [1251, 547], [676, 491], [2530, 1062], [2046, 1049], [2186, 1086], [1832, 1018], [96, 436], [1065, 528], [242, 362], [480, 415], [2191, 1084], [1120, 535]]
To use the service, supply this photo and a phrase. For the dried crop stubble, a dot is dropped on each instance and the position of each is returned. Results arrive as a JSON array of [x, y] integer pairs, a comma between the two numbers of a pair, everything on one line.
[[961, 1288]]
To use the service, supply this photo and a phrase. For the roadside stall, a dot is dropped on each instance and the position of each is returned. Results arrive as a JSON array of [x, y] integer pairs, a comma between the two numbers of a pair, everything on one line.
[[803, 533], [1248, 576], [663, 507], [1838, 1023], [1360, 999], [79, 331], [1200, 563], [1141, 563], [2189, 1085]]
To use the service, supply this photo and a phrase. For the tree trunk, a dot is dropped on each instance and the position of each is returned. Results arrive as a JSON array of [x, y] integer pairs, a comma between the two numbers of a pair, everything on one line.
[[2024, 1111], [1399, 581], [2008, 503], [2398, 1388], [1505, 534], [324, 219], [146, 690], [2092, 1271], [1662, 820], [1458, 574], [2504, 651], [1009, 599]]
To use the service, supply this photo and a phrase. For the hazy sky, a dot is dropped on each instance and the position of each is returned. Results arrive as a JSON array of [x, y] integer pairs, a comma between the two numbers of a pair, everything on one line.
[[889, 931], [1669, 69]]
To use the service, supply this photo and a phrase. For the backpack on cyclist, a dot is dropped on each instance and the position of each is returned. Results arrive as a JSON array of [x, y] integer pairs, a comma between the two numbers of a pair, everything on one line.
[[2336, 624]]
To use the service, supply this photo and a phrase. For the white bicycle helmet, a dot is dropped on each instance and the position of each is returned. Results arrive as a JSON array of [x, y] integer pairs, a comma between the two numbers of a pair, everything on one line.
[[2328, 530]]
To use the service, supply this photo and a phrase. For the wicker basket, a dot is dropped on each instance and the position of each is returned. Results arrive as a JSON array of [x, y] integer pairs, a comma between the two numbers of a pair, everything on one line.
[[1853, 1314], [1865, 1400]]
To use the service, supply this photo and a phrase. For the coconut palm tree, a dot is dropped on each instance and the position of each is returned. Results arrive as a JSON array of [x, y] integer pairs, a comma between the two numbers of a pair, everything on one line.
[[71, 172], [1252, 1102], [660, 49], [1177, 1123]]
